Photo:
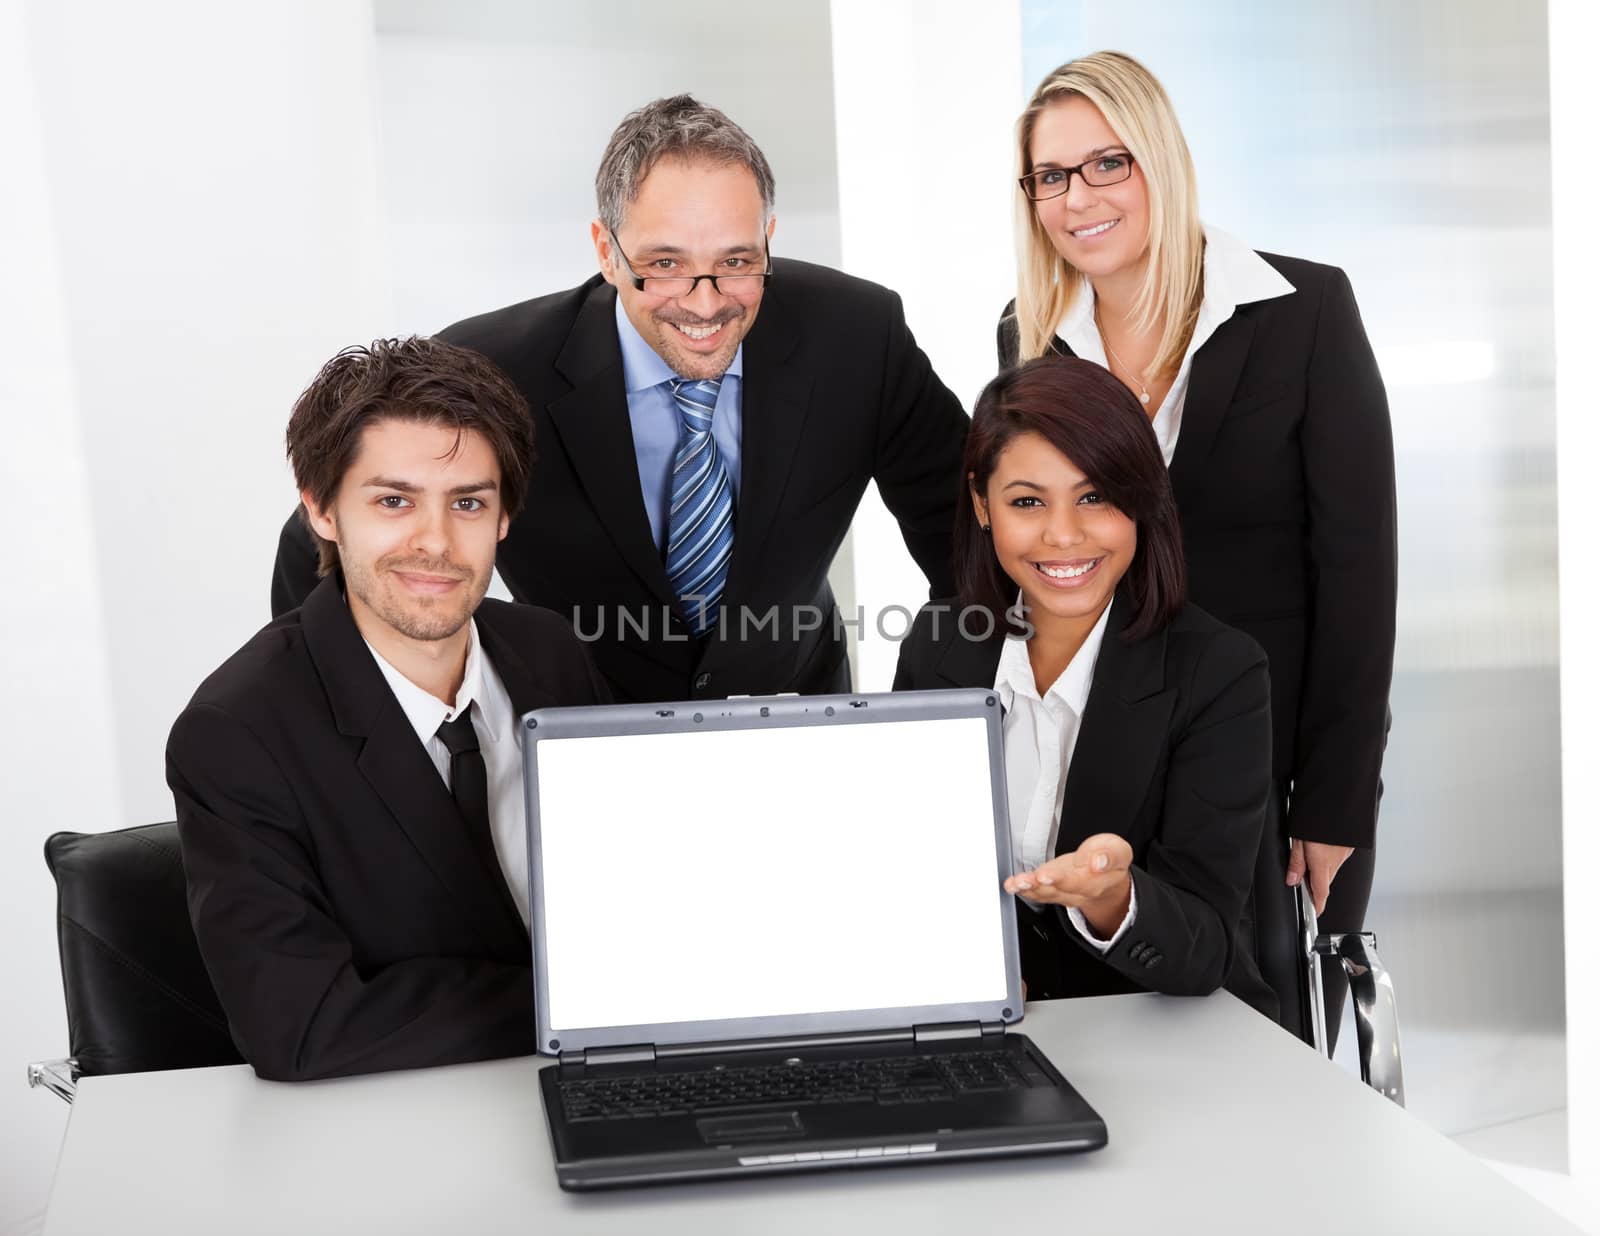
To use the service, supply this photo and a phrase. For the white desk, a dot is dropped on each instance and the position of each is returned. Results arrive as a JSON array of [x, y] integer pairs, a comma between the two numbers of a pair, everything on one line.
[[1205, 1102]]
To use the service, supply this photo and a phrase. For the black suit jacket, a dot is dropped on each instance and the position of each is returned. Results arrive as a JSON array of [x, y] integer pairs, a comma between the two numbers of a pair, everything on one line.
[[342, 913], [835, 393], [1173, 755], [1284, 476]]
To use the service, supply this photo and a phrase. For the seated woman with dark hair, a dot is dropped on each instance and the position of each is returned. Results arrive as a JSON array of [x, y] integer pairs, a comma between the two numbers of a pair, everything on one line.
[[1137, 727]]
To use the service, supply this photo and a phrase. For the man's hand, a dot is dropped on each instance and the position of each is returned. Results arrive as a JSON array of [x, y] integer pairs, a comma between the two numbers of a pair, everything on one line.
[[1094, 877], [1317, 864]]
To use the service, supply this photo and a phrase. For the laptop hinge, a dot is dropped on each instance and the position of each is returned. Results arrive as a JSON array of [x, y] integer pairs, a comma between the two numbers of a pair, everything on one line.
[[794, 1042], [629, 1053], [944, 1031]]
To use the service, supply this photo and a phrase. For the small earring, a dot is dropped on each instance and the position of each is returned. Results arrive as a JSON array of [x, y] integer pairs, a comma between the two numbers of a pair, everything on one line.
[[984, 528]]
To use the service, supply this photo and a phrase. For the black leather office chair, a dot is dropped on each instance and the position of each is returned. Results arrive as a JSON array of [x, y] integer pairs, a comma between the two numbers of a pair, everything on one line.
[[138, 996], [1289, 950]]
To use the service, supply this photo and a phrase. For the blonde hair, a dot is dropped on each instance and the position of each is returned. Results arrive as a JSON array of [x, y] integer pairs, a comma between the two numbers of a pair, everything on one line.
[[1139, 112]]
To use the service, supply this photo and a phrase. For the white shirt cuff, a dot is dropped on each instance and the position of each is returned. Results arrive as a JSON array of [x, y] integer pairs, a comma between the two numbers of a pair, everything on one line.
[[1087, 932]]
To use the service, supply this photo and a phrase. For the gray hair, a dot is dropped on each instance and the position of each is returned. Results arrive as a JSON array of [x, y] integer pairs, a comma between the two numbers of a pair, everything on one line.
[[680, 127]]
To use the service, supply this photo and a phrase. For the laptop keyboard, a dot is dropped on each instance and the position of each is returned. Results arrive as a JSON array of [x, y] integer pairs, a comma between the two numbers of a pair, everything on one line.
[[881, 1080]]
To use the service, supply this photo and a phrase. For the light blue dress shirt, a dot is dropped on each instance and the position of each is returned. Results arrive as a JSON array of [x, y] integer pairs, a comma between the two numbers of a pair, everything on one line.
[[657, 425]]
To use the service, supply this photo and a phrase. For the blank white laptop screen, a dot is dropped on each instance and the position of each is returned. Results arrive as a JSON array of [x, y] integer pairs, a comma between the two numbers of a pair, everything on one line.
[[694, 876]]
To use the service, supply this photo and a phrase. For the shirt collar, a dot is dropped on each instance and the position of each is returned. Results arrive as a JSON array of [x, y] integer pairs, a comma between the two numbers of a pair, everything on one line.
[[1015, 674], [426, 713], [1234, 274], [494, 703], [642, 366]]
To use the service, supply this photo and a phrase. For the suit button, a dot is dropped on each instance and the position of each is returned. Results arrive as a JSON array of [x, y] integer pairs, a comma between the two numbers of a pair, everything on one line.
[[702, 682], [1151, 960]]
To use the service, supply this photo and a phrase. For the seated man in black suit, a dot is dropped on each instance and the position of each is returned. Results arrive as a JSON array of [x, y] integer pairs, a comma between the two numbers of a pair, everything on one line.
[[708, 419], [349, 783]]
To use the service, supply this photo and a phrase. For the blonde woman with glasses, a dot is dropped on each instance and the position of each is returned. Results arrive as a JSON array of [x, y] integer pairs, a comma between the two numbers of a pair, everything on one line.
[[1267, 403]]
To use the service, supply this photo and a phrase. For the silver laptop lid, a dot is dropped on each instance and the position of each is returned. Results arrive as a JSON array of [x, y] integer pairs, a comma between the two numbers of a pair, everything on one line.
[[772, 867]]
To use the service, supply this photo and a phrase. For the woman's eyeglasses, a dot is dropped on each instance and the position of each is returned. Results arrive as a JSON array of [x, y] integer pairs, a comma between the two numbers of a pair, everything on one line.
[[1105, 169]]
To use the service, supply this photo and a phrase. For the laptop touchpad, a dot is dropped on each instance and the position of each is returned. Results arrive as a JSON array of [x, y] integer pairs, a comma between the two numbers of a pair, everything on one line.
[[755, 1128]]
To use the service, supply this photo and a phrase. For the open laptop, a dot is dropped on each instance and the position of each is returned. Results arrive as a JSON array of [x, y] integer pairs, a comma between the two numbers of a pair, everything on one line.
[[770, 936]]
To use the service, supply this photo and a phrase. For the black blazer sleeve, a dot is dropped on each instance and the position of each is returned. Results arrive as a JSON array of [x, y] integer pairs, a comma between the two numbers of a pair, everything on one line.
[[922, 433], [1348, 450], [272, 941], [294, 570], [1193, 878]]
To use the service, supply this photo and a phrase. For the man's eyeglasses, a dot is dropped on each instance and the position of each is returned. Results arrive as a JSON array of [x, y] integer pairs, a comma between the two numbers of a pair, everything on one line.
[[734, 286], [1048, 182]]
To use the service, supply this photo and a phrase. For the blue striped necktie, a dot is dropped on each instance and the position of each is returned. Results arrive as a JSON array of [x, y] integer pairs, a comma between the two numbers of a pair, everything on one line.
[[700, 522]]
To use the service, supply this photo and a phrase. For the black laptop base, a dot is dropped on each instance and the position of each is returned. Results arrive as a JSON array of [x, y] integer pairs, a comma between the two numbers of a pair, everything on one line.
[[764, 1112]]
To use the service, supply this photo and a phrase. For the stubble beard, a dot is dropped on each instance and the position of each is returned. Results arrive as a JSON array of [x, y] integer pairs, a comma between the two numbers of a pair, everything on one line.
[[699, 366], [426, 619]]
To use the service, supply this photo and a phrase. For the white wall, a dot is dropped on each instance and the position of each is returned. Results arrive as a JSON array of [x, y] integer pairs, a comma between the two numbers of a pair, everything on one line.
[[934, 83], [212, 175], [1574, 102], [55, 671], [190, 226], [494, 114]]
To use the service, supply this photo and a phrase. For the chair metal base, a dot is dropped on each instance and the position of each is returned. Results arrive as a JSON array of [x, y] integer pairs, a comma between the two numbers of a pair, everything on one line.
[[1371, 995]]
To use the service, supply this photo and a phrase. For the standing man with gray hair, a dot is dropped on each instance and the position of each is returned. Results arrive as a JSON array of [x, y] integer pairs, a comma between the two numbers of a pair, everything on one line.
[[708, 417]]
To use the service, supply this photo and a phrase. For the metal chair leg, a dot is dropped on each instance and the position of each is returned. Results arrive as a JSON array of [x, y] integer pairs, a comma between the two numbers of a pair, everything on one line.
[[1313, 963]]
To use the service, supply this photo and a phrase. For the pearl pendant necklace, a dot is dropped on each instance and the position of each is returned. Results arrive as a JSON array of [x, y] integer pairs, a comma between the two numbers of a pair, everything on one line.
[[1144, 391]]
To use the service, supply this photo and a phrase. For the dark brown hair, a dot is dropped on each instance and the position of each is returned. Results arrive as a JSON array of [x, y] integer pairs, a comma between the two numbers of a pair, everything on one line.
[[1094, 420], [413, 379]]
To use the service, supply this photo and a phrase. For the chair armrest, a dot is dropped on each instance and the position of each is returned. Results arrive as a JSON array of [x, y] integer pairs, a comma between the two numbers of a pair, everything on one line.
[[60, 1077]]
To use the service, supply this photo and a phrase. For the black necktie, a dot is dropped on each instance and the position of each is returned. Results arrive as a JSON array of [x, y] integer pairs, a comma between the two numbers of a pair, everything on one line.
[[469, 786]]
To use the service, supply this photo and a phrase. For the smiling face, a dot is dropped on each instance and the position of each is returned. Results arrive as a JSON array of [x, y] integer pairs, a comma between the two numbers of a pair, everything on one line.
[[690, 218], [1103, 231], [1054, 534], [416, 518]]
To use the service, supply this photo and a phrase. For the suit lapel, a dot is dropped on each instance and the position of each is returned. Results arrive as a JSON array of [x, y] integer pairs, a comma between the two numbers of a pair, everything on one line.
[[1121, 736], [392, 761], [1213, 377], [592, 419], [516, 665], [773, 406], [971, 663]]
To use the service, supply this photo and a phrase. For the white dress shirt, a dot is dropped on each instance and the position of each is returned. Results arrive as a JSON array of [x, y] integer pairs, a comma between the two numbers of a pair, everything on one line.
[[499, 740], [1040, 734], [1233, 274]]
